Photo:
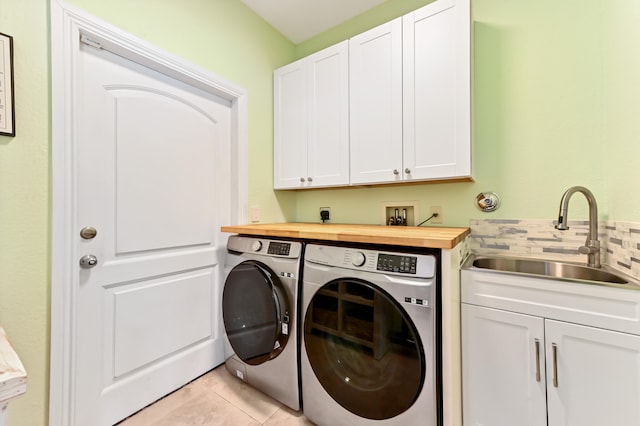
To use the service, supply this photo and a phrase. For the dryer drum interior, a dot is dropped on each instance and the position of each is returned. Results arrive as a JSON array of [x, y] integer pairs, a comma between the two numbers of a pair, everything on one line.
[[255, 312], [364, 349]]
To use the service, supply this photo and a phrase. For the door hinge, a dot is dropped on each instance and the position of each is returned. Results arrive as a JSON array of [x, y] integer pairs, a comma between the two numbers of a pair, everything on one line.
[[90, 42]]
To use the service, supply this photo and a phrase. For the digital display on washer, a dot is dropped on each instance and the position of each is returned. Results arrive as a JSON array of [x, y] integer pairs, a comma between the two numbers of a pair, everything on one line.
[[394, 263], [279, 248]]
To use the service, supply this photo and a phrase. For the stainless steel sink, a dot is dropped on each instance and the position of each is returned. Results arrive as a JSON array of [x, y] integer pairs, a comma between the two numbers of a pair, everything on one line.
[[551, 269]]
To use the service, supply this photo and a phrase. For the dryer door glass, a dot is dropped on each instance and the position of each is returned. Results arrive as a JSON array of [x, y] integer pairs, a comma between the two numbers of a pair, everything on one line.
[[256, 312], [364, 349]]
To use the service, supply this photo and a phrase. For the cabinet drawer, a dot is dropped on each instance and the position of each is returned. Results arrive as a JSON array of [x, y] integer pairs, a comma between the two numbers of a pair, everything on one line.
[[598, 306]]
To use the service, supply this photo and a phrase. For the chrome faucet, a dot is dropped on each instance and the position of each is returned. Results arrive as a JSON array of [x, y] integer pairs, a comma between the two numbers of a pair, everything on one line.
[[592, 246]]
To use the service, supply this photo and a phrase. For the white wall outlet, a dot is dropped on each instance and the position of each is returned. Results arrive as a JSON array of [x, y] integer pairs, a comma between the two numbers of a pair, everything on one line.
[[435, 210], [255, 213]]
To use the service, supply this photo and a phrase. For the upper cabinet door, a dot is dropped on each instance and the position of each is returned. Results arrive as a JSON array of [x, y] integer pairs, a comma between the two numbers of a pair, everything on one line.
[[328, 96], [436, 91], [375, 81], [290, 126]]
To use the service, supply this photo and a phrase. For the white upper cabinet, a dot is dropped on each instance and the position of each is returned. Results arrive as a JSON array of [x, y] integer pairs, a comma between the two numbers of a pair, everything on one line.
[[311, 127], [290, 126], [436, 91], [389, 105], [375, 78]]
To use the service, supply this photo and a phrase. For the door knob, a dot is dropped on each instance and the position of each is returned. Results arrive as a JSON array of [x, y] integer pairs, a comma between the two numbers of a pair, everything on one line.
[[88, 261]]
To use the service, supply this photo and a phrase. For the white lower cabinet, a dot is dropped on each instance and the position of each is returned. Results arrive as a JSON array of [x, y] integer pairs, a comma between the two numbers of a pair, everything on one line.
[[500, 368], [593, 376], [529, 370]]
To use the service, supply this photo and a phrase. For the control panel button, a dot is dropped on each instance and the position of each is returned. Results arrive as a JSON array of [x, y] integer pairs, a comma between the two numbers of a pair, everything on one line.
[[256, 246], [358, 259]]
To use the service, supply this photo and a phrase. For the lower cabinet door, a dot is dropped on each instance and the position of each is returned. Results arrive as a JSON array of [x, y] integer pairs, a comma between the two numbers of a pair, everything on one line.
[[503, 369], [593, 376]]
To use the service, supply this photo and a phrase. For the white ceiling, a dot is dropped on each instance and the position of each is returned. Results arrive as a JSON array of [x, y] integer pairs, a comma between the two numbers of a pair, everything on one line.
[[299, 20]]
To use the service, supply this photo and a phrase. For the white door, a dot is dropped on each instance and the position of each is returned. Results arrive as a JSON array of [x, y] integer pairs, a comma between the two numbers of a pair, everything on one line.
[[152, 177], [290, 127], [593, 376], [375, 90], [328, 88], [503, 369], [436, 91]]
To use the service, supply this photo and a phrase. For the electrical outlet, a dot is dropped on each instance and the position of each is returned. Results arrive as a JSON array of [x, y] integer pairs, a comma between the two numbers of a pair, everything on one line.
[[325, 214], [255, 213], [435, 210]]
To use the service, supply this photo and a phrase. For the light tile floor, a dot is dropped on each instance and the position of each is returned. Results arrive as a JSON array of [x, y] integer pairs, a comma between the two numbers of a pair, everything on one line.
[[217, 398]]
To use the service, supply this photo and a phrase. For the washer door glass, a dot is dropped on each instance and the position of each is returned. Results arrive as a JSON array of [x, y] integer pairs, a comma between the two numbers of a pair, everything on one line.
[[256, 312], [364, 349]]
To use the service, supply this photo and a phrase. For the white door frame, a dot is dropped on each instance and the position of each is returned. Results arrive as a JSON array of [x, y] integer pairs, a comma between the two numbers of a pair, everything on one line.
[[67, 23]]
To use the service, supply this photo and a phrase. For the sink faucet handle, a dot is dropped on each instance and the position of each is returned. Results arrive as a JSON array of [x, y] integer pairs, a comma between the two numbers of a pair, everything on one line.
[[587, 249], [592, 249]]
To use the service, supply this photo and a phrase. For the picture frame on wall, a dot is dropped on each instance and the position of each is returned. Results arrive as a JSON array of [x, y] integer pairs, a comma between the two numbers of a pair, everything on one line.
[[7, 108]]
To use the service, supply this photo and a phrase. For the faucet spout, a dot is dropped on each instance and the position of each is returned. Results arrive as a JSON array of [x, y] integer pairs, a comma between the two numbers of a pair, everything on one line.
[[592, 245]]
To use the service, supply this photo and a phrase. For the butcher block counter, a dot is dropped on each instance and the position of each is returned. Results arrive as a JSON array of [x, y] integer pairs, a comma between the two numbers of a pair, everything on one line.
[[408, 236]]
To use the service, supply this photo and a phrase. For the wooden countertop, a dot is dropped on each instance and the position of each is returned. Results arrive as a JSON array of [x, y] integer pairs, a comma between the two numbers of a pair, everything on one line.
[[409, 236]]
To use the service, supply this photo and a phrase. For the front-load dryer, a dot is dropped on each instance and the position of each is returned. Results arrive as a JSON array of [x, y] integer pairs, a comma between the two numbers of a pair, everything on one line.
[[259, 303], [370, 350]]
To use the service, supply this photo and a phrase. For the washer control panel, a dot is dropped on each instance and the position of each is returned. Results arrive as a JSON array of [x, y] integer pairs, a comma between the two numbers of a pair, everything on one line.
[[397, 263], [381, 262], [265, 247], [279, 248]]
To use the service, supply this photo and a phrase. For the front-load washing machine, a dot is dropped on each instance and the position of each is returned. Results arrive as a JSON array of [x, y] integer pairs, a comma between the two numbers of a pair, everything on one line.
[[370, 351], [259, 303]]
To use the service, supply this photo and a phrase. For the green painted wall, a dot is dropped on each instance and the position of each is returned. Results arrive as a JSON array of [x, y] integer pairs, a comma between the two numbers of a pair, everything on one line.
[[24, 207], [621, 141], [555, 104], [538, 117]]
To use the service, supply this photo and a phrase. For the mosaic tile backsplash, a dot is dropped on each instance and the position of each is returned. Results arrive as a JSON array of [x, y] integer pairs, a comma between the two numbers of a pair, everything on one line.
[[619, 241]]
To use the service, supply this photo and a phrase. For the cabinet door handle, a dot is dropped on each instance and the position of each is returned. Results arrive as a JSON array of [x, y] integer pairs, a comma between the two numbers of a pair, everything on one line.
[[396, 172], [555, 364], [407, 171], [301, 179], [309, 179], [537, 360]]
